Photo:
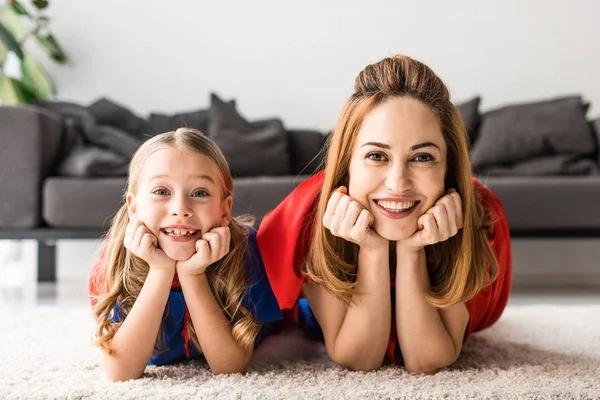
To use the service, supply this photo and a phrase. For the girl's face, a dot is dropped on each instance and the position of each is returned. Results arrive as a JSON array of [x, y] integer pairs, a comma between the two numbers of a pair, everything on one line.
[[398, 165], [179, 198]]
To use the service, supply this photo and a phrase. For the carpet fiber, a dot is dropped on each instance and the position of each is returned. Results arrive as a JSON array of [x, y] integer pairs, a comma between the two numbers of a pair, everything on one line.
[[532, 352]]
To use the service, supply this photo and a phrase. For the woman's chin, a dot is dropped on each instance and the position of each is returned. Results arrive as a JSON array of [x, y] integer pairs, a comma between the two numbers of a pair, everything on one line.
[[394, 232]]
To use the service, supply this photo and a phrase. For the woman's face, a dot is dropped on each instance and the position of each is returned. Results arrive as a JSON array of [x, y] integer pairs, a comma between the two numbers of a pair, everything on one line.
[[398, 165]]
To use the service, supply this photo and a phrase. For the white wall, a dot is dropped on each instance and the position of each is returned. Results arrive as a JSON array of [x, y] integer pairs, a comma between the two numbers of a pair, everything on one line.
[[297, 60]]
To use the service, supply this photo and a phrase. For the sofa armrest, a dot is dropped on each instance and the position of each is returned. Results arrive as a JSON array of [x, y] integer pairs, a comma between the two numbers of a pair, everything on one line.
[[30, 138]]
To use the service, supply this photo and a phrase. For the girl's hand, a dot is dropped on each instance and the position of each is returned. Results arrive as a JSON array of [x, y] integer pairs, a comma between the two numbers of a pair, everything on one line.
[[438, 224], [142, 243], [213, 246], [348, 219]]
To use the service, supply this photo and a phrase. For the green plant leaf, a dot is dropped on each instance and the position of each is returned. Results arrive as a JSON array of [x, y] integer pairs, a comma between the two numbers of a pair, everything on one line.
[[3, 53], [40, 4], [13, 23], [12, 92], [10, 42], [18, 7], [35, 79], [51, 46]]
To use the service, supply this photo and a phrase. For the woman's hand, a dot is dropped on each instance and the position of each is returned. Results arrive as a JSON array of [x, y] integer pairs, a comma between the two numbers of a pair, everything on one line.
[[213, 246], [348, 219], [140, 241], [438, 224]]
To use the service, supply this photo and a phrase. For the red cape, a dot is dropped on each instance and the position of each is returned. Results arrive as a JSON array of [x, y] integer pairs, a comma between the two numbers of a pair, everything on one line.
[[284, 239]]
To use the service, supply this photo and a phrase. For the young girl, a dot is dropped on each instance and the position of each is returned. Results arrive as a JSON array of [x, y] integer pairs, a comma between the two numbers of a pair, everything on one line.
[[399, 252], [180, 277]]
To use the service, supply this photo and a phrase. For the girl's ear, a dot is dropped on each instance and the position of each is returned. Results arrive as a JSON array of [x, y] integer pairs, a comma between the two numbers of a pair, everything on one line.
[[131, 204], [226, 212]]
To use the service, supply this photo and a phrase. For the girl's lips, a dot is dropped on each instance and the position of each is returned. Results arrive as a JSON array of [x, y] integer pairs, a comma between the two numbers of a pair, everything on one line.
[[396, 214]]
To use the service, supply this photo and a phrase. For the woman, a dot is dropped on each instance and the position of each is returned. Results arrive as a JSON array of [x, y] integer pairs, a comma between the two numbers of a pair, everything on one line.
[[397, 249]]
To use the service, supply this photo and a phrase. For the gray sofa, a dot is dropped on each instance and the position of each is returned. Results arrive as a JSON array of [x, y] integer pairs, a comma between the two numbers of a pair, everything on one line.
[[39, 205]]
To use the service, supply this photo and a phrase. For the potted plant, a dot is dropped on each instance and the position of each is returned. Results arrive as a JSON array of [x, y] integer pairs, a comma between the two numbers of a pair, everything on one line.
[[22, 78]]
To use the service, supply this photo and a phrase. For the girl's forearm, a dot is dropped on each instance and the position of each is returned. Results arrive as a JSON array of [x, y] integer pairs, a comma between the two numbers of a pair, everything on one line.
[[425, 342], [134, 342], [223, 354], [364, 333]]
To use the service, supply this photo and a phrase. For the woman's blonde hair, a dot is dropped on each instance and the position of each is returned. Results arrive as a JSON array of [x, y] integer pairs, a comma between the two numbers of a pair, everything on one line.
[[123, 274], [460, 266]]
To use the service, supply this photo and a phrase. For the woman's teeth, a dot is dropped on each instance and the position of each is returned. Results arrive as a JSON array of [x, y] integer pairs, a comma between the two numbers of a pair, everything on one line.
[[395, 206], [178, 232]]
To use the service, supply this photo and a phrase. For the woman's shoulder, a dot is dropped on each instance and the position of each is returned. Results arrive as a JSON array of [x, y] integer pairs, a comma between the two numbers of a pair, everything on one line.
[[488, 199]]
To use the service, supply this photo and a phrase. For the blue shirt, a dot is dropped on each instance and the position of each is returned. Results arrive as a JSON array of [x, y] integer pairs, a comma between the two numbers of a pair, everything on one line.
[[259, 300]]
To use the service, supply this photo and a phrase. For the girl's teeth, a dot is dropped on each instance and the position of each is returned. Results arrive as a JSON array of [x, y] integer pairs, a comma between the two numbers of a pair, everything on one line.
[[177, 232]]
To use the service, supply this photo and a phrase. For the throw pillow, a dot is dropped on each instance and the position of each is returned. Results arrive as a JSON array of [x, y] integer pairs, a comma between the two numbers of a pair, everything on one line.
[[304, 151], [469, 111], [107, 112], [85, 161], [520, 132], [251, 148], [161, 123]]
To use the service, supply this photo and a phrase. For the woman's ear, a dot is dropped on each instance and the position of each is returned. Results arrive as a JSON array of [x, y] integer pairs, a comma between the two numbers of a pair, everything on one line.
[[226, 212], [131, 204]]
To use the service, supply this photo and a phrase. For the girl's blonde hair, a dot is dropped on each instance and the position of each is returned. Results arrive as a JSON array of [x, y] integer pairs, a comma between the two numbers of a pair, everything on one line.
[[460, 266], [123, 274]]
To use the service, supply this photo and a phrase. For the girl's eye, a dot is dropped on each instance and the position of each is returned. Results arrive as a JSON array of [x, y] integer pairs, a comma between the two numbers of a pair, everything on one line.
[[423, 157], [161, 192], [200, 193], [376, 157]]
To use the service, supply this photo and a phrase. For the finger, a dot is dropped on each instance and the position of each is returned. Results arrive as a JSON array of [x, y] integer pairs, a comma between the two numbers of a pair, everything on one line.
[[202, 249], [458, 207], [430, 229], [350, 217], [147, 243], [451, 214], [130, 231], [213, 240], [362, 226], [137, 238], [441, 220], [335, 197]]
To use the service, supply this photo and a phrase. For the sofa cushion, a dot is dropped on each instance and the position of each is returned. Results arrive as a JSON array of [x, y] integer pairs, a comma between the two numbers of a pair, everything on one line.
[[305, 146], [251, 148], [548, 203], [81, 202], [469, 110], [520, 132]]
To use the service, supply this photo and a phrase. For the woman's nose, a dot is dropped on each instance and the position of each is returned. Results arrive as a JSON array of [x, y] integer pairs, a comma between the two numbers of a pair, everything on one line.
[[398, 179]]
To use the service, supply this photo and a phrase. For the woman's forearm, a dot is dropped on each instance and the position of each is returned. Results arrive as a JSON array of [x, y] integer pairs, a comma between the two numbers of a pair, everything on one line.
[[364, 333], [214, 331], [425, 342], [134, 342]]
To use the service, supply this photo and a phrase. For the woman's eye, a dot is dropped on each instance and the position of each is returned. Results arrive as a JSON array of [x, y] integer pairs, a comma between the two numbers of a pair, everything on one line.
[[376, 157], [161, 192], [423, 157], [200, 193]]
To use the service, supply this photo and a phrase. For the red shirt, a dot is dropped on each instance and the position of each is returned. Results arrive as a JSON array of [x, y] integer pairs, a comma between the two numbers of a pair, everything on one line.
[[284, 240]]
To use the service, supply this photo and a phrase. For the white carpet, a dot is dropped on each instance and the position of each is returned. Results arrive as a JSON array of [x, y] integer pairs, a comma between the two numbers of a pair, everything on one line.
[[547, 352]]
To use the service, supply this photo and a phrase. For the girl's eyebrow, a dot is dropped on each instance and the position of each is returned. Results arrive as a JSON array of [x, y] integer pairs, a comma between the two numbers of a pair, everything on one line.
[[415, 147], [204, 177]]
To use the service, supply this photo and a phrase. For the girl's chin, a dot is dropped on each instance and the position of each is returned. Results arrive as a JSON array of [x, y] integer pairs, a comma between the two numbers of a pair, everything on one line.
[[179, 254]]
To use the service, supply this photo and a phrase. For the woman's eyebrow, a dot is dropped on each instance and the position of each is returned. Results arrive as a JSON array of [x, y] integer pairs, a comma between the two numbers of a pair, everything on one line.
[[415, 147], [377, 144], [424, 144]]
